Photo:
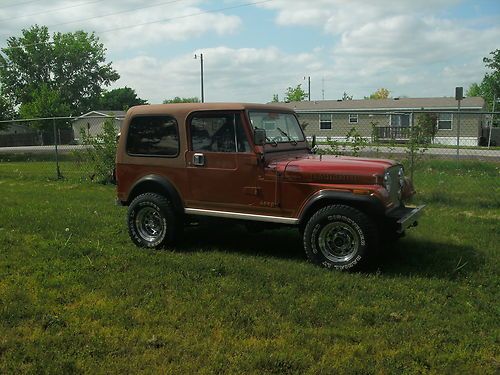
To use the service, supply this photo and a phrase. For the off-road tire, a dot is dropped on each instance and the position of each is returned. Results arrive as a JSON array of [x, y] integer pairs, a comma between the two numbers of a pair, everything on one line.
[[340, 237], [152, 222]]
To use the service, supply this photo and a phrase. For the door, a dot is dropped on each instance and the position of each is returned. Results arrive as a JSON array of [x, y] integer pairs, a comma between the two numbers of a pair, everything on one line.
[[222, 168]]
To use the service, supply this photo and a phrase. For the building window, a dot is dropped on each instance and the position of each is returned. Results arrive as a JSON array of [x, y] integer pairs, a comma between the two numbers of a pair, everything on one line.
[[400, 120], [325, 121], [353, 118], [153, 135], [444, 121]]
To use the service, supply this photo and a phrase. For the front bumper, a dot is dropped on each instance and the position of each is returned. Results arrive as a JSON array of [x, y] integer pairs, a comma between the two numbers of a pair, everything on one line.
[[405, 217]]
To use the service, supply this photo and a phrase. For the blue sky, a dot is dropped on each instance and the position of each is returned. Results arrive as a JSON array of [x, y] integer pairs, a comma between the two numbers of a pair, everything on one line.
[[415, 49]]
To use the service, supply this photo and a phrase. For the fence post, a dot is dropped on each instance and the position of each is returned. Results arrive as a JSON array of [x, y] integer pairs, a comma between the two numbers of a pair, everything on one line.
[[412, 150], [459, 95], [59, 175]]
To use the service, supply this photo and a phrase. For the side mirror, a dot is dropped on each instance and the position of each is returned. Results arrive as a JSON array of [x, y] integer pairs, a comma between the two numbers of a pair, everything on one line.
[[259, 137], [313, 148]]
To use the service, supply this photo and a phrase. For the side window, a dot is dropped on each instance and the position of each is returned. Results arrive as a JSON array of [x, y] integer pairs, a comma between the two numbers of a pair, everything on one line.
[[153, 135], [218, 133]]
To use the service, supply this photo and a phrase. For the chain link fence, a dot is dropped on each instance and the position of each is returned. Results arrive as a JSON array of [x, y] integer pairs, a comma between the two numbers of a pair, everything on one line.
[[55, 148], [424, 141], [467, 135]]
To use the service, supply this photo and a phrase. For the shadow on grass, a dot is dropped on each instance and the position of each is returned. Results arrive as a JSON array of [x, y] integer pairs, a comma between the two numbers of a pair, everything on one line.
[[408, 256], [233, 238], [429, 259]]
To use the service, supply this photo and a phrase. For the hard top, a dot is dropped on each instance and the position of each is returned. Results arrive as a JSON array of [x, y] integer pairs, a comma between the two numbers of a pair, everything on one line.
[[184, 109]]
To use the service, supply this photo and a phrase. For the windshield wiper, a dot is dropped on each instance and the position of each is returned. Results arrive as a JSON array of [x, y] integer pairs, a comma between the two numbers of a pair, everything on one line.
[[292, 141], [272, 141]]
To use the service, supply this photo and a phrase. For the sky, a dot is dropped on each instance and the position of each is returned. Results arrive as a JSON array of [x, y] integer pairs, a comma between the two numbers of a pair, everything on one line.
[[254, 49]]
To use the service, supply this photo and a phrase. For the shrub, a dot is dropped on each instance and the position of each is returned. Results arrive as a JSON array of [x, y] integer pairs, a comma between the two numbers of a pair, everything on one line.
[[100, 152]]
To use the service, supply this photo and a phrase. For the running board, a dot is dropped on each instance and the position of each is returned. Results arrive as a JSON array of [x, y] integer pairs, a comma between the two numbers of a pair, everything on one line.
[[242, 216]]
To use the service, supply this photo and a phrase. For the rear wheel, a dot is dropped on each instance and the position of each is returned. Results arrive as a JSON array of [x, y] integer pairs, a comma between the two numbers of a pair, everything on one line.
[[152, 221], [339, 236]]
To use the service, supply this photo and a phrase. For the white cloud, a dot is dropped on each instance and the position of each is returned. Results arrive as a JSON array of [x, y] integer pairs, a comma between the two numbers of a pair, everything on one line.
[[411, 47], [404, 45], [242, 74], [172, 21]]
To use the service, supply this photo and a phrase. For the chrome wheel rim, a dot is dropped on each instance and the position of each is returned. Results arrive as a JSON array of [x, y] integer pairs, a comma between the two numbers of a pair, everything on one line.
[[150, 224], [338, 242]]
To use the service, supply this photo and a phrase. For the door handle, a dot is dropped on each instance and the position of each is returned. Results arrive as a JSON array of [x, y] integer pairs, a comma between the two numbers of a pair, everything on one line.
[[199, 160]]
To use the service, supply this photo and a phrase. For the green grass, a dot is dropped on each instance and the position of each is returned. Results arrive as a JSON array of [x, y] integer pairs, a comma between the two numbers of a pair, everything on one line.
[[77, 297]]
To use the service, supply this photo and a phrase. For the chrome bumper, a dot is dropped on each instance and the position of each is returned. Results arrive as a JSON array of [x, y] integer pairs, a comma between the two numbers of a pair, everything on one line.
[[410, 218], [406, 217]]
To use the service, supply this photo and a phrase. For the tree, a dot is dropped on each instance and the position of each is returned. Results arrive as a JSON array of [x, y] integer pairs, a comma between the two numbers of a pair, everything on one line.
[[346, 96], [381, 93], [72, 64], [120, 99], [295, 94], [420, 136], [177, 99], [474, 90], [276, 98], [45, 102], [6, 110], [489, 88]]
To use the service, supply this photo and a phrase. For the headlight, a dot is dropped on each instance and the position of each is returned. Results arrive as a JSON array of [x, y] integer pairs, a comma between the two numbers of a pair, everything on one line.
[[387, 181], [401, 176]]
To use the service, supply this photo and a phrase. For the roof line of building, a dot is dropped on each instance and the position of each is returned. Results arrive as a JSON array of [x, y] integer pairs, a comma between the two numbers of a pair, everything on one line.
[[384, 109]]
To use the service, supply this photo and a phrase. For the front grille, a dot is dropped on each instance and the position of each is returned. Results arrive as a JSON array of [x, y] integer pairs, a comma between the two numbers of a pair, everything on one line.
[[395, 189]]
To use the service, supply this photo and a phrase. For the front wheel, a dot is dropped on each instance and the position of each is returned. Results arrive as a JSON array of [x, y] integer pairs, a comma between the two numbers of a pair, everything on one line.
[[339, 236]]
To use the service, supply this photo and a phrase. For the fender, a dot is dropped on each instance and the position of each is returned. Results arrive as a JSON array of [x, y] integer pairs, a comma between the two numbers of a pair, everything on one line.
[[366, 203], [157, 184]]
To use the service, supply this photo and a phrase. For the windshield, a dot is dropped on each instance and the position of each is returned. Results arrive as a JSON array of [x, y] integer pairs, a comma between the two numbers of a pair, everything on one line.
[[279, 127]]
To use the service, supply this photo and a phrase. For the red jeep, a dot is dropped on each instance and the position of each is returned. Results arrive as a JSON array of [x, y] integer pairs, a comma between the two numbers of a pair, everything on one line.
[[252, 163]]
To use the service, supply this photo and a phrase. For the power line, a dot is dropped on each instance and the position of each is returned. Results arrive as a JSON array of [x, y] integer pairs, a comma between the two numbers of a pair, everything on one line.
[[185, 16], [17, 4], [115, 13], [158, 21], [93, 17], [50, 10]]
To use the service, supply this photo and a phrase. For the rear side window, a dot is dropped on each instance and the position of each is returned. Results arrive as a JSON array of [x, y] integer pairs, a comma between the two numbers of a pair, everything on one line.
[[153, 135]]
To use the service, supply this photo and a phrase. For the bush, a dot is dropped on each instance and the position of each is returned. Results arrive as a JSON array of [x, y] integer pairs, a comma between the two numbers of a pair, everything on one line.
[[101, 152]]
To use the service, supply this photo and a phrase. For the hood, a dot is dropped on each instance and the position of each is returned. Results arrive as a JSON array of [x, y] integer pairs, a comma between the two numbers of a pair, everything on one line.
[[332, 169]]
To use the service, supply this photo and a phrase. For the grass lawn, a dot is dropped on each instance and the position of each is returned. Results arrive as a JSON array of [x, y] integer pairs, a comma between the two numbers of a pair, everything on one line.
[[77, 297]]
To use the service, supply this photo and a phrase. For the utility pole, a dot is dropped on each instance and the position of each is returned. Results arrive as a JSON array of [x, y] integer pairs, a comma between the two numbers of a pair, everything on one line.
[[308, 87], [201, 70], [323, 88]]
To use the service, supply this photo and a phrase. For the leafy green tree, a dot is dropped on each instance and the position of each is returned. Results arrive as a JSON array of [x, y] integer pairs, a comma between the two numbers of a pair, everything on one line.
[[474, 90], [381, 93], [45, 102], [275, 98], [489, 88], [178, 99], [72, 64], [295, 94], [120, 99], [6, 110], [420, 136]]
